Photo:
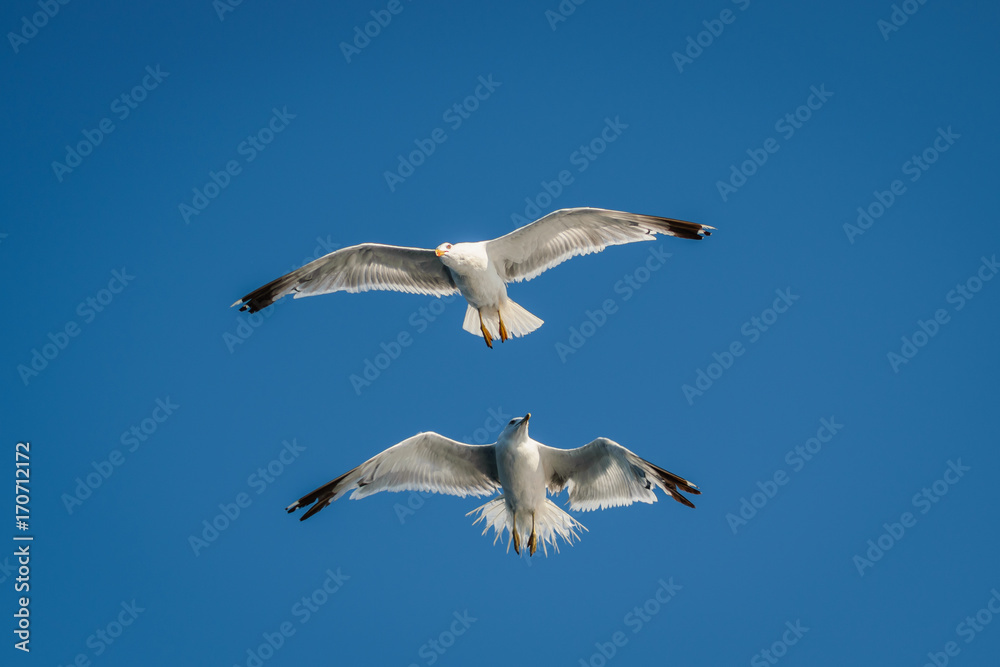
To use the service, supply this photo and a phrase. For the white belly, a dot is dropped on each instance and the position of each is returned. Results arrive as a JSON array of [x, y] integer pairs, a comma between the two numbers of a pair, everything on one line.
[[482, 288], [475, 276], [520, 470]]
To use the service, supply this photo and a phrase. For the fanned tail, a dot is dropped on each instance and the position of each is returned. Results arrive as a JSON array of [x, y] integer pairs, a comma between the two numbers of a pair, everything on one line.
[[518, 321], [551, 523]]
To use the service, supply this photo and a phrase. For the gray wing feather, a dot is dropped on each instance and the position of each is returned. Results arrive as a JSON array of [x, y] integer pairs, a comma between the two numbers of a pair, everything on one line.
[[566, 233], [604, 474], [369, 266], [425, 462]]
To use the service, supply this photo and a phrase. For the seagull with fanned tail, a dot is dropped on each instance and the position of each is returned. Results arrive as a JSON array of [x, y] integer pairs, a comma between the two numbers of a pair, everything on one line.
[[478, 271], [598, 475]]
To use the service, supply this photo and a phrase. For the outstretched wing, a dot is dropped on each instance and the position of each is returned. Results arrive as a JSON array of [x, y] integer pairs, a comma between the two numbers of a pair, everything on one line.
[[359, 268], [604, 474], [566, 233], [425, 462]]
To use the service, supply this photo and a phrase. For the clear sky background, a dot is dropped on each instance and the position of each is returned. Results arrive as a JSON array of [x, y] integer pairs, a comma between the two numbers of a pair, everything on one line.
[[899, 122]]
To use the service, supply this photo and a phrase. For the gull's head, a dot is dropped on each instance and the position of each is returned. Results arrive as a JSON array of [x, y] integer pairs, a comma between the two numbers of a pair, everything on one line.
[[518, 426], [442, 249]]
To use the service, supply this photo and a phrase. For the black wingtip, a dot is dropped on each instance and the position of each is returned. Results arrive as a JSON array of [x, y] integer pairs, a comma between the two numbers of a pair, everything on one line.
[[322, 497], [255, 302], [655, 224], [676, 484], [320, 504], [681, 499], [684, 229], [264, 296]]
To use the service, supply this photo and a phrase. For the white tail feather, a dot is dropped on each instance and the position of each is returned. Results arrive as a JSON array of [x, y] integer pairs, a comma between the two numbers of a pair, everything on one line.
[[519, 322], [551, 523]]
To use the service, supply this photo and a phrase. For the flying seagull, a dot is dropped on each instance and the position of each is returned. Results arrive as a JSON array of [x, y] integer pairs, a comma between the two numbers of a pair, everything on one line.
[[598, 475], [478, 271]]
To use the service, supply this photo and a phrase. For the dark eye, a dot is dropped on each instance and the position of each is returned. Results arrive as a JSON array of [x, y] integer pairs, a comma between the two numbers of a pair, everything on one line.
[[512, 421]]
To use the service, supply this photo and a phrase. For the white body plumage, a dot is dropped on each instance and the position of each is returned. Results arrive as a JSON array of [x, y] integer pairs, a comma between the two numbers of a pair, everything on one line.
[[479, 271], [522, 476], [598, 475]]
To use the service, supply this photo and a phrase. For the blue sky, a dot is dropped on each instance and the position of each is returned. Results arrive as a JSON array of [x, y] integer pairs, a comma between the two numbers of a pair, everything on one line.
[[823, 367]]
